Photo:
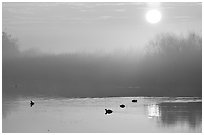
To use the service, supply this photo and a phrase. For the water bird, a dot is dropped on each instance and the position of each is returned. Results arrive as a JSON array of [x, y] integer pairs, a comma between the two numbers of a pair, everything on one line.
[[108, 111], [134, 100], [31, 103], [122, 106]]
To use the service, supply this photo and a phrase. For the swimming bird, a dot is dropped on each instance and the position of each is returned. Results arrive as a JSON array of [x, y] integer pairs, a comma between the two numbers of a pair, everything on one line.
[[31, 103], [122, 106], [108, 111], [134, 100]]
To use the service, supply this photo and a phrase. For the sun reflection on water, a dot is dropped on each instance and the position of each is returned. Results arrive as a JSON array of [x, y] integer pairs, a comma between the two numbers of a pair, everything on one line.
[[153, 111]]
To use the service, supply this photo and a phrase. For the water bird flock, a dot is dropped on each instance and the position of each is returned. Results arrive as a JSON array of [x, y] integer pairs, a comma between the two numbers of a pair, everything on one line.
[[108, 111]]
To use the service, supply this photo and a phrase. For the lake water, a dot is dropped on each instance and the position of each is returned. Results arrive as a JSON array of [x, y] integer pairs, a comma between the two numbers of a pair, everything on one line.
[[58, 115]]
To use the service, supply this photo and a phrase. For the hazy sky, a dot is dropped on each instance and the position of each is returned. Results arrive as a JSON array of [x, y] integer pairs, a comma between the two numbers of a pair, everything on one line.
[[106, 27]]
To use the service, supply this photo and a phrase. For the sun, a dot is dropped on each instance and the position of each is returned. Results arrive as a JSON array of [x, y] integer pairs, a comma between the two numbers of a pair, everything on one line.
[[153, 16]]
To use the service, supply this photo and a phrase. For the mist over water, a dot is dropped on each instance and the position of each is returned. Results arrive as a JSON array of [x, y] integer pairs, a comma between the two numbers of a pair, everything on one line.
[[54, 82], [172, 66], [63, 64]]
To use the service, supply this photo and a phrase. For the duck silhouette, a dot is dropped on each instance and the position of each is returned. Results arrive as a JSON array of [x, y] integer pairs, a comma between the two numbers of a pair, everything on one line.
[[134, 100], [31, 103], [108, 111], [122, 106]]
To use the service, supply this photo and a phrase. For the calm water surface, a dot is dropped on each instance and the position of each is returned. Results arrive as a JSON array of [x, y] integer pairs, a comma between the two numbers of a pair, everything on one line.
[[149, 114]]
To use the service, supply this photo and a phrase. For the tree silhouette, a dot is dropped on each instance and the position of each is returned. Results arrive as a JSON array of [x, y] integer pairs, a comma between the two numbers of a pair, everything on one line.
[[174, 63], [9, 46]]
